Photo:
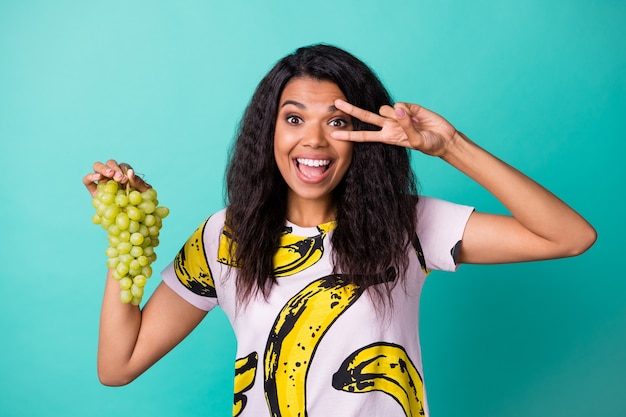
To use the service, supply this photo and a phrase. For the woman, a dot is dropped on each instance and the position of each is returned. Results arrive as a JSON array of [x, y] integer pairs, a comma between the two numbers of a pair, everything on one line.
[[321, 254]]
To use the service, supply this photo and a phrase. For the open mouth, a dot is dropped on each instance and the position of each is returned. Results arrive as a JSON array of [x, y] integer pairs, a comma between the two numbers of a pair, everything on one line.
[[312, 168]]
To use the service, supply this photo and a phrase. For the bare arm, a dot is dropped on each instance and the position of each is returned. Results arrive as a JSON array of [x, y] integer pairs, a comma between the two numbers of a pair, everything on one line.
[[540, 226], [130, 339]]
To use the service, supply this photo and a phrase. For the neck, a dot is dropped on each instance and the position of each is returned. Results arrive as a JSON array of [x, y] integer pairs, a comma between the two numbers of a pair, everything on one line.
[[310, 213]]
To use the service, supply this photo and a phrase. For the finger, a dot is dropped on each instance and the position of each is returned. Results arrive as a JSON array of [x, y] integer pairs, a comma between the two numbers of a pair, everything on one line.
[[359, 113], [387, 111], [115, 171], [406, 119], [415, 110], [91, 182], [110, 170], [358, 135], [403, 115], [137, 182]]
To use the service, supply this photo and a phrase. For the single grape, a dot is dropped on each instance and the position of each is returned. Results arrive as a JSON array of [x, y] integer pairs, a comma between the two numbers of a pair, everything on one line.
[[150, 220], [144, 230], [106, 198], [125, 236], [149, 194], [140, 280], [135, 198], [114, 230], [124, 247], [111, 187], [162, 211], [111, 252], [113, 262], [134, 264], [126, 283], [121, 200], [111, 212], [136, 239], [147, 206], [126, 258], [136, 252], [146, 271], [134, 213], [126, 296], [122, 269], [122, 221], [136, 290]]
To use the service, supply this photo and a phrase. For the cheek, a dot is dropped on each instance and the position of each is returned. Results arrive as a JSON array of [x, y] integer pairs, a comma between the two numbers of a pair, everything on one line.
[[281, 154], [345, 151]]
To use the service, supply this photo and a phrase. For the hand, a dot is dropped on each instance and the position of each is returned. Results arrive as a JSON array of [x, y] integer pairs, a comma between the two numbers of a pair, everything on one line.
[[122, 173], [406, 124]]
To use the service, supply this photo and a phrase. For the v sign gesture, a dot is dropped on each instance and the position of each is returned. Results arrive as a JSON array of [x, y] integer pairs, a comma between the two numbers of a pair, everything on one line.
[[406, 124]]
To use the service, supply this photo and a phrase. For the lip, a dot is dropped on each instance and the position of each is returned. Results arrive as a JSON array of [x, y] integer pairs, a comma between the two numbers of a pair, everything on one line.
[[329, 162]]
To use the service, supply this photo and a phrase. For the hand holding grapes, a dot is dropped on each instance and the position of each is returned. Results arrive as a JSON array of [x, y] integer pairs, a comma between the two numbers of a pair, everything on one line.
[[127, 207], [111, 170]]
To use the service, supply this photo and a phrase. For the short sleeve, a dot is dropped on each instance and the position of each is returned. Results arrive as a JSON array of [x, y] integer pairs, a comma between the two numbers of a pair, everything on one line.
[[440, 227], [191, 273]]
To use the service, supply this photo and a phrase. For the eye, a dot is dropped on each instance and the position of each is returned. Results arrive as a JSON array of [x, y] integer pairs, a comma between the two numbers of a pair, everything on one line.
[[339, 122], [293, 119]]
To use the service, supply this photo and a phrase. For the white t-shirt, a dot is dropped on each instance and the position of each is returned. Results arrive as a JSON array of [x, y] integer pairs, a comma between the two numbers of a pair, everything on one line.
[[318, 346]]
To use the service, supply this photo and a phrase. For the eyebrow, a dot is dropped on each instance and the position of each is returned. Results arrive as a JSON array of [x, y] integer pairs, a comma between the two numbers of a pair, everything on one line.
[[299, 105]]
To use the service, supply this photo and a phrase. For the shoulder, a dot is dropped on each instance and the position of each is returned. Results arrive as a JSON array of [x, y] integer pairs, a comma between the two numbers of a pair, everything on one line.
[[216, 220], [433, 209], [440, 228]]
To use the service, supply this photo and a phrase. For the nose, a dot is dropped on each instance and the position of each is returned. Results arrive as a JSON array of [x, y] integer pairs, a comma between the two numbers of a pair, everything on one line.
[[314, 136]]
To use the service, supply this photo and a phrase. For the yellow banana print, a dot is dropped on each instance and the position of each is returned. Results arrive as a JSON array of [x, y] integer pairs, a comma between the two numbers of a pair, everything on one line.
[[192, 268], [297, 331], [245, 372], [383, 367], [300, 325], [297, 253], [294, 253], [224, 251]]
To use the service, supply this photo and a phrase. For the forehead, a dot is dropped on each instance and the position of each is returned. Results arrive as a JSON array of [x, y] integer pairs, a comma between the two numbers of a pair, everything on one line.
[[311, 90]]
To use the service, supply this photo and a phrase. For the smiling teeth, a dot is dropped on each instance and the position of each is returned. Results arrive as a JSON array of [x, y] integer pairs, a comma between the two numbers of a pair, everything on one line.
[[313, 162]]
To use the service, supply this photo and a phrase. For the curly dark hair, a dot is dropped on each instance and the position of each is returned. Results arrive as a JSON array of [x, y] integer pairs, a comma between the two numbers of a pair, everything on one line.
[[375, 201]]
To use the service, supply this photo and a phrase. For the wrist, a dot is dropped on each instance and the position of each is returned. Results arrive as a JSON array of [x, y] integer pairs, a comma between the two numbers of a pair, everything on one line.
[[453, 147]]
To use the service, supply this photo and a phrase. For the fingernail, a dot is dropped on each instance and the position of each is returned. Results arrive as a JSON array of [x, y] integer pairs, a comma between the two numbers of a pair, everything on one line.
[[118, 176], [109, 172], [400, 112], [415, 119]]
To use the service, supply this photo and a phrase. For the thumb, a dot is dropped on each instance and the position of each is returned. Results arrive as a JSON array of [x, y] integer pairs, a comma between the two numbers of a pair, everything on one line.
[[136, 182], [405, 117]]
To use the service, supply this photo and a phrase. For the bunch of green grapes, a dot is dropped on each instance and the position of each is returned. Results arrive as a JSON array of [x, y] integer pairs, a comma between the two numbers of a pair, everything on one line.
[[133, 222]]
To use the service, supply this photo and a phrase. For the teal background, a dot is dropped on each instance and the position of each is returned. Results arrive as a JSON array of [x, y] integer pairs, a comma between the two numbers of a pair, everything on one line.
[[162, 84]]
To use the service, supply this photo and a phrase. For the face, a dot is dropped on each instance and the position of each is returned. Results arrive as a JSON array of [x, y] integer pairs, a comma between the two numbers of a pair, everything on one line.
[[310, 161]]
